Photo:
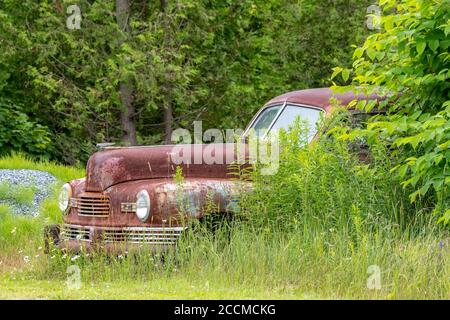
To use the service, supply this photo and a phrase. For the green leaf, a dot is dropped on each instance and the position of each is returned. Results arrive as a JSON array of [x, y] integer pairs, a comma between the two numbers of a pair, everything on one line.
[[345, 74], [420, 46], [371, 53], [447, 29], [336, 71], [358, 53], [433, 44], [445, 217]]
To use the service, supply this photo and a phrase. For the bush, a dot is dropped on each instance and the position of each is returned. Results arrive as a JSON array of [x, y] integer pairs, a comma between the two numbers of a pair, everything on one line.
[[19, 133], [410, 56], [325, 188]]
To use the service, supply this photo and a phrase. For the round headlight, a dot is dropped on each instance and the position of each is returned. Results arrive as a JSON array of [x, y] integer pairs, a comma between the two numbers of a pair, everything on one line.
[[64, 197], [142, 205]]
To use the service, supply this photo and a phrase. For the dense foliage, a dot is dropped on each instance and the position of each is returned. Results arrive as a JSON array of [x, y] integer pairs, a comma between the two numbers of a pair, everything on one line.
[[320, 228], [409, 62], [325, 189], [167, 64], [19, 133]]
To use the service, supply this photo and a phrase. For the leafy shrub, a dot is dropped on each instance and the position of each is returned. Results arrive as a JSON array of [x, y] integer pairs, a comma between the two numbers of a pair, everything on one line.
[[324, 187], [410, 56], [19, 133]]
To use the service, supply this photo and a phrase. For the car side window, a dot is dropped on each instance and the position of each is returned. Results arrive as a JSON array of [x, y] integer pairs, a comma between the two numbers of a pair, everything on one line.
[[264, 120], [359, 120], [360, 145], [291, 113]]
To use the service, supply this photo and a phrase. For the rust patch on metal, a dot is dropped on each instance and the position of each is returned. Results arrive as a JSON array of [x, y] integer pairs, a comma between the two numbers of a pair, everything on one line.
[[110, 167]]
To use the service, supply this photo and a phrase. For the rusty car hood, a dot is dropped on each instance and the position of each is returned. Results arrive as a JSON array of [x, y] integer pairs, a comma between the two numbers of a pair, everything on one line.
[[117, 165]]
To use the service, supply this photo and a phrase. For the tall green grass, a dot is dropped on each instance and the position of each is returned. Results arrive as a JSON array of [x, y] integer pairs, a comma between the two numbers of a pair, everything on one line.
[[21, 238], [19, 194], [284, 265], [61, 172], [312, 230]]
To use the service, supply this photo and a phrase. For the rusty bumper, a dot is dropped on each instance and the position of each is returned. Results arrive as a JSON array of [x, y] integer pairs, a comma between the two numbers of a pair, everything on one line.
[[76, 238]]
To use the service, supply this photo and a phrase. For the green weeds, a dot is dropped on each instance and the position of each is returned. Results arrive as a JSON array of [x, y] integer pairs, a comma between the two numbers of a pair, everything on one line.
[[314, 230]]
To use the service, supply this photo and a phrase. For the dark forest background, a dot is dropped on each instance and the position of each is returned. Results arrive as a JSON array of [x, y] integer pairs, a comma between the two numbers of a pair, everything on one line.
[[137, 69]]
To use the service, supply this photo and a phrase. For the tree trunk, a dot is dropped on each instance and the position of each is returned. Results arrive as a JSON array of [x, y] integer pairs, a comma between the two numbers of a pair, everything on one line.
[[126, 117], [58, 6], [126, 87], [167, 106], [168, 120]]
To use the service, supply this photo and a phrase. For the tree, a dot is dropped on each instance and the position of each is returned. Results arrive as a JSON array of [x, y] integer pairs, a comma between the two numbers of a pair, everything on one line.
[[137, 69], [126, 87], [19, 133], [408, 61]]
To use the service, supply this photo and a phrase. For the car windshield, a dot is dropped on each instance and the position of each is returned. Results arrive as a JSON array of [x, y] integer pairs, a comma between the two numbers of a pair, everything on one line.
[[286, 118]]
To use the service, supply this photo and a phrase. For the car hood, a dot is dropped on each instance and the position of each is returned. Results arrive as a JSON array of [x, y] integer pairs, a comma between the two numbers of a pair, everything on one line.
[[117, 165]]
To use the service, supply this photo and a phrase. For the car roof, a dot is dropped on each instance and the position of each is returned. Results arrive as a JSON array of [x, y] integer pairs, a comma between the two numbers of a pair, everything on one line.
[[320, 97]]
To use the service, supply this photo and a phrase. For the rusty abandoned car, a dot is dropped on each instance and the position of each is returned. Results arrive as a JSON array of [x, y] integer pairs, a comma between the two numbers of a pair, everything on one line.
[[129, 197]]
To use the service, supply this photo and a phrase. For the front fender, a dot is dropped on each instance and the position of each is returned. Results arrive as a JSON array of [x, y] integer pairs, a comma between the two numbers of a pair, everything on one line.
[[171, 202]]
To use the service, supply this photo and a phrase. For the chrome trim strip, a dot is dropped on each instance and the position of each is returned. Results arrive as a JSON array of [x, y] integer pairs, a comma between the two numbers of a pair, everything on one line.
[[128, 228], [257, 116], [127, 207], [275, 119], [93, 215], [179, 229], [69, 232]]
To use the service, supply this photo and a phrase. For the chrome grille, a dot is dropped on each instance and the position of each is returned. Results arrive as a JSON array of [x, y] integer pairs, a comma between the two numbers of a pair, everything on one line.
[[136, 235], [70, 232], [157, 236], [92, 206]]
